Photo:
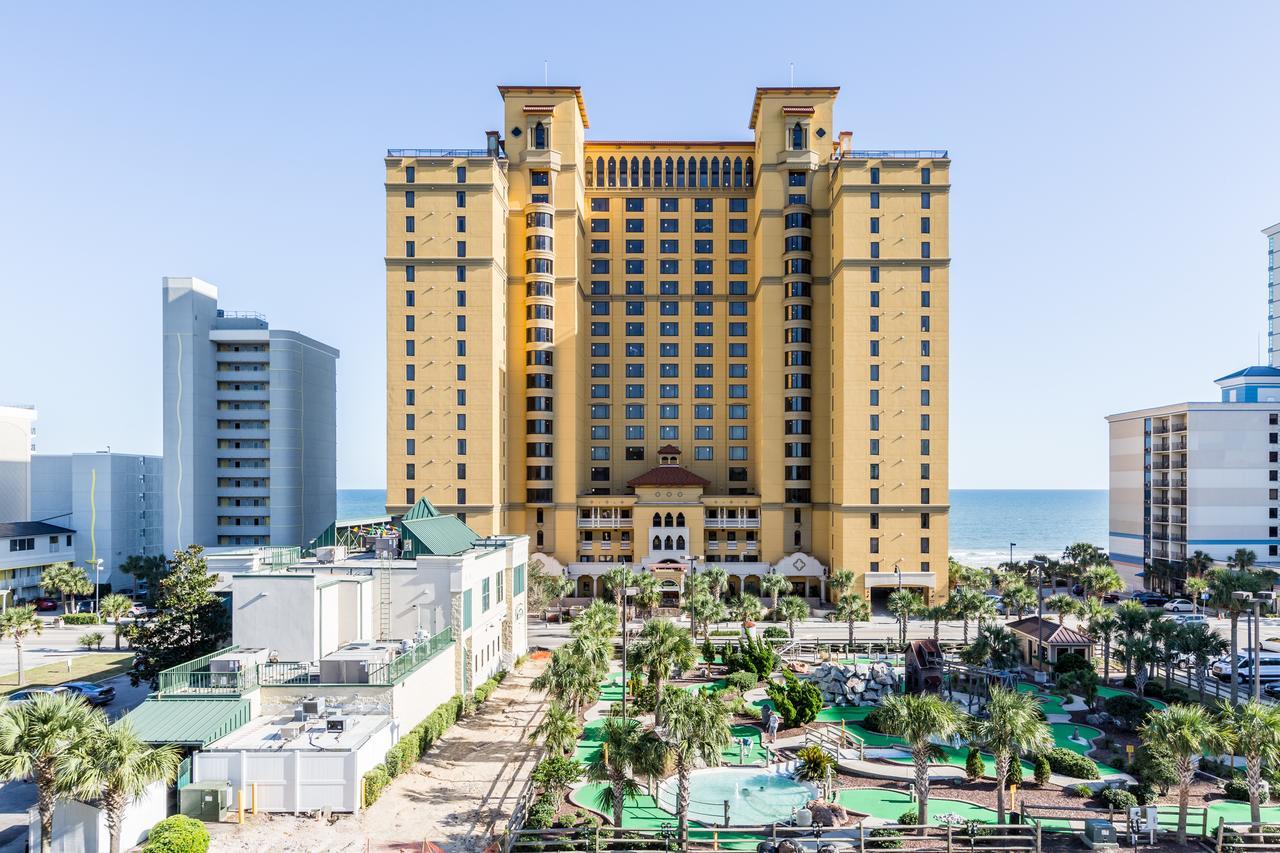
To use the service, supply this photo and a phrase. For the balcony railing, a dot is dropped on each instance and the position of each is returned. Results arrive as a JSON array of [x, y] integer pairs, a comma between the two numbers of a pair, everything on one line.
[[195, 677], [438, 152], [603, 523], [383, 675], [731, 524], [895, 154]]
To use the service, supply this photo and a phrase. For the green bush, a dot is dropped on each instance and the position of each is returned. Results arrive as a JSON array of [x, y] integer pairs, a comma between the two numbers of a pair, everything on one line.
[[773, 632], [742, 680], [874, 721], [1146, 795], [80, 619], [908, 818], [752, 655], [1153, 765], [177, 834], [798, 702], [1155, 689], [1129, 683], [1081, 790], [374, 781], [542, 814], [554, 774], [1043, 770], [1064, 761], [1129, 711], [884, 838], [1071, 662], [1117, 798], [1017, 774], [1238, 789], [974, 768]]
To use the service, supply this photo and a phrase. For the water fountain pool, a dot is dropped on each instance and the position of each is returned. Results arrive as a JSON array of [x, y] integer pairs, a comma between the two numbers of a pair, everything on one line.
[[756, 796]]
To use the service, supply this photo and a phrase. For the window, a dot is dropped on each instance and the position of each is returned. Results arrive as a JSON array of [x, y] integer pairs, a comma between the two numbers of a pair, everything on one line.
[[875, 201], [702, 205], [409, 198], [875, 225], [462, 174], [875, 249], [875, 174], [460, 199], [599, 226], [924, 200], [410, 174], [540, 179], [599, 205], [635, 204], [924, 225], [925, 174]]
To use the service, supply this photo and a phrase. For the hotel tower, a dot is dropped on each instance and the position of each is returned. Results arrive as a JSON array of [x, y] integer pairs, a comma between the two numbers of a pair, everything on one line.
[[675, 354]]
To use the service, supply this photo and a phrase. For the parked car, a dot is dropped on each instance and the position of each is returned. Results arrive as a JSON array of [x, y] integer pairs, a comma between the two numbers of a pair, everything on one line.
[[1111, 598], [1179, 605], [1272, 689], [86, 606], [140, 611], [32, 692], [1151, 599], [92, 693], [44, 605], [1186, 618], [1268, 671]]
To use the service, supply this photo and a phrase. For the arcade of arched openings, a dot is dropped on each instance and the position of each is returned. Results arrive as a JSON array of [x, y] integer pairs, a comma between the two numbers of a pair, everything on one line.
[[692, 171]]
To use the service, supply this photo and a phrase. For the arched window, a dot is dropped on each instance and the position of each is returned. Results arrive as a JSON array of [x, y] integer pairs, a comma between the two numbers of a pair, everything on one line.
[[657, 543], [591, 173], [644, 173], [539, 136], [599, 171], [680, 172], [797, 137], [667, 521], [613, 172], [679, 543], [715, 172], [635, 171], [657, 520], [680, 519], [795, 538], [737, 171], [668, 180], [622, 172], [538, 539], [668, 543], [749, 174], [702, 172]]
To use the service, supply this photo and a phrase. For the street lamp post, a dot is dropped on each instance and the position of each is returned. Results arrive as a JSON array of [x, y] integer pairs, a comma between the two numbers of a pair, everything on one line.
[[1254, 642], [97, 586], [1011, 544]]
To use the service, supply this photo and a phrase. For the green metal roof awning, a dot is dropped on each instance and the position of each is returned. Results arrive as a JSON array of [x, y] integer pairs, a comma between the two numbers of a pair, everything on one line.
[[441, 535], [422, 509], [188, 722]]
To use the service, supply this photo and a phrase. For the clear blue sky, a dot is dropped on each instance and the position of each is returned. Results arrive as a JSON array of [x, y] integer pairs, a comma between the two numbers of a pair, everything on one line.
[[1113, 164]]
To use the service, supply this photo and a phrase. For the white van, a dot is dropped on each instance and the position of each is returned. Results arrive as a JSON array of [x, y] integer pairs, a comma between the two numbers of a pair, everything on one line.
[[1269, 668]]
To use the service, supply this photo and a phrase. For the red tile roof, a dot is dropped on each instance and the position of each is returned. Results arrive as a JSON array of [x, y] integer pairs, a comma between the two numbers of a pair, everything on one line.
[[668, 450], [668, 475], [1048, 631]]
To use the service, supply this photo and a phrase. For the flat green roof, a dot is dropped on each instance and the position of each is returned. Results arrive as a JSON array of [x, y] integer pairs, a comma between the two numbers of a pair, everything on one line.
[[189, 722]]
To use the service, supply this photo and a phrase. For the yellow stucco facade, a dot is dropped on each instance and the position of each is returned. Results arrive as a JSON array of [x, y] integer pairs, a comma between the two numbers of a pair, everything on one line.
[[589, 341]]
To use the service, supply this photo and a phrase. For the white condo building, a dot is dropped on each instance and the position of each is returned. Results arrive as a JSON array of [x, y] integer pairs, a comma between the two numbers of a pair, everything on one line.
[[17, 440], [250, 426], [113, 501]]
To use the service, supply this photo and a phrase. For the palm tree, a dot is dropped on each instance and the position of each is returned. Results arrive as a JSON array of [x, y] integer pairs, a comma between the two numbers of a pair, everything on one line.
[[1164, 636], [703, 609], [117, 768], [841, 581], [697, 729], [1063, 605], [746, 608], [774, 586], [114, 607], [1252, 730], [663, 646], [558, 730], [648, 593], [792, 609], [717, 579], [851, 609], [1198, 563], [570, 678], [995, 645], [1204, 645], [1139, 652], [600, 620], [903, 604], [623, 754], [1242, 560], [18, 622], [61, 578], [1017, 599], [1102, 625], [559, 587], [1223, 585], [1133, 619], [1012, 728], [1100, 580], [1186, 732], [918, 720], [1195, 586], [79, 585], [616, 580], [935, 614], [42, 740]]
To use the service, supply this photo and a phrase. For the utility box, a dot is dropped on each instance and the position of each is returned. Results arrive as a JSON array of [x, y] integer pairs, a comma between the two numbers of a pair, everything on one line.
[[1097, 832], [206, 801]]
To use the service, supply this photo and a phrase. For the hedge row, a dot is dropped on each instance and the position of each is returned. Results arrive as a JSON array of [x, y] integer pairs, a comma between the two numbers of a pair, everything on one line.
[[79, 619], [422, 737]]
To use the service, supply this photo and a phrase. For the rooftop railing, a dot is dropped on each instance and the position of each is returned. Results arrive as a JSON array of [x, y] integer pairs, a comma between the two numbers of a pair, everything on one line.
[[438, 152], [195, 677], [382, 675], [895, 154]]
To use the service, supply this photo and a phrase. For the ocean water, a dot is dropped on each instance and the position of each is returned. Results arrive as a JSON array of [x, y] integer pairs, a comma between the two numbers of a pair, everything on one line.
[[983, 521]]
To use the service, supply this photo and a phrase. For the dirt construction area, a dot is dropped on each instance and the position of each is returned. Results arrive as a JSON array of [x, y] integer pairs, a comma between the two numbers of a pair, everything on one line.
[[459, 796]]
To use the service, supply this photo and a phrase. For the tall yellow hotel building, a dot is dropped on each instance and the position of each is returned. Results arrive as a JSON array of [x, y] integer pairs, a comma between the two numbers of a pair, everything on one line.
[[676, 354]]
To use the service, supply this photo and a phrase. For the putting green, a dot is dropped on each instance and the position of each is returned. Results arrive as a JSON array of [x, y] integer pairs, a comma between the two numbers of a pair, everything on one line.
[[1108, 692], [642, 812], [588, 748], [755, 754], [831, 713]]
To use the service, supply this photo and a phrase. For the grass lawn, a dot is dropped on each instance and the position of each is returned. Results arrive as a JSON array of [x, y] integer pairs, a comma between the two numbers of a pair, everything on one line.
[[85, 666]]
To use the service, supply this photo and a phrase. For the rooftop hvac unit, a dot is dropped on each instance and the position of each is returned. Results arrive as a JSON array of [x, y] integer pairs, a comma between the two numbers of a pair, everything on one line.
[[313, 707], [335, 725], [206, 801], [1098, 832], [289, 731]]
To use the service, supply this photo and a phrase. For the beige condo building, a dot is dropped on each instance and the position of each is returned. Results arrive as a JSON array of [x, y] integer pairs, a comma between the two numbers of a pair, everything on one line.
[[676, 353]]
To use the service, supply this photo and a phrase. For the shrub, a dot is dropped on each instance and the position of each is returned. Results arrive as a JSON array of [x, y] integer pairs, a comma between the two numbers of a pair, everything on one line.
[[1129, 711], [1145, 794], [554, 774], [798, 702], [1064, 761], [1043, 770], [1071, 662], [374, 781], [742, 680], [708, 651], [81, 619], [908, 818], [1117, 798], [1155, 689], [1238, 789], [1129, 683], [1017, 774], [974, 768], [92, 640], [754, 656], [884, 838], [542, 814], [177, 834], [773, 632], [1081, 790], [815, 764], [874, 721]]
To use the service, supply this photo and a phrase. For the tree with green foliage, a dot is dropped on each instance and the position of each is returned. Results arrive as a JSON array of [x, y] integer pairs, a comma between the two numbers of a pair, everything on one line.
[[1252, 731], [648, 593], [1100, 580], [696, 730], [66, 581], [919, 719], [115, 607], [746, 609], [599, 620], [16, 623], [1242, 560], [177, 834], [570, 678], [558, 730], [193, 621], [43, 740], [1018, 599], [623, 754], [559, 588], [717, 580], [1203, 645], [1062, 605], [1101, 623], [903, 604], [754, 655], [974, 767], [1198, 563], [616, 581], [816, 764], [793, 609], [116, 768], [1133, 619], [1187, 731], [1223, 584], [841, 581], [1013, 727], [852, 609], [797, 702], [1081, 682], [147, 572], [704, 609], [553, 774], [663, 646], [995, 646], [773, 586]]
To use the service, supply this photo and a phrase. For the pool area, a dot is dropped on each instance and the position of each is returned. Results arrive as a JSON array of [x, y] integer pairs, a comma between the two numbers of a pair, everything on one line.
[[756, 796]]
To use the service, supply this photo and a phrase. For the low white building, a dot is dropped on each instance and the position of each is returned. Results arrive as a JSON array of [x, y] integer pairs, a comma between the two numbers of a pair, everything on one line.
[[1192, 477], [27, 548], [114, 502], [17, 440]]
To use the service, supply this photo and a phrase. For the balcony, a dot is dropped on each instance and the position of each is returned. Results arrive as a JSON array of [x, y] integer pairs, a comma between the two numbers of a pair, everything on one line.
[[263, 453], [1160, 430], [262, 395], [731, 524], [604, 524], [1160, 483], [242, 375], [1161, 465]]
